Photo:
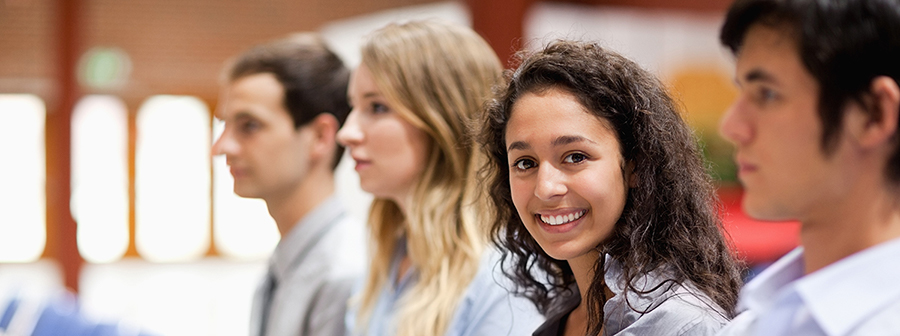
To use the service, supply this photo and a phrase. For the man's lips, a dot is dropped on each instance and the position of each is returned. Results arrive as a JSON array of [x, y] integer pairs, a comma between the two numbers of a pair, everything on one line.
[[237, 172], [744, 166]]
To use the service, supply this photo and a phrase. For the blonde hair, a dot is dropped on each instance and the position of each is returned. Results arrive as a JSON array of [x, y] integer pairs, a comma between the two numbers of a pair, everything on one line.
[[437, 77]]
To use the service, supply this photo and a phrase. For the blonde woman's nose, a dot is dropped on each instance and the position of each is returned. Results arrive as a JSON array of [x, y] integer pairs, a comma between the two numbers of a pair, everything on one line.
[[350, 134]]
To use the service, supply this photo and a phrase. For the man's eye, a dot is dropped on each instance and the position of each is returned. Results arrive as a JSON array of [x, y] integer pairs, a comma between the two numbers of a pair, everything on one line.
[[250, 126], [767, 95], [524, 164], [575, 158]]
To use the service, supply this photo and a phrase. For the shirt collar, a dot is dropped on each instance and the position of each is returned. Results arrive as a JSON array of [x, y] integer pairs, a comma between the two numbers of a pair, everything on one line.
[[845, 293], [400, 252], [613, 275], [291, 249], [839, 296], [647, 281], [761, 293]]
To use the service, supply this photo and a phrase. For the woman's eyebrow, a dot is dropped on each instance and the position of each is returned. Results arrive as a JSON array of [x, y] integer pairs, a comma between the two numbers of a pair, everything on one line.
[[567, 139], [560, 141], [519, 145]]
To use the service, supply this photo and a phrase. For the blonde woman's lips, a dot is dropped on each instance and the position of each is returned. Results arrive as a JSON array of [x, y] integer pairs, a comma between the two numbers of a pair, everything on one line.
[[362, 164]]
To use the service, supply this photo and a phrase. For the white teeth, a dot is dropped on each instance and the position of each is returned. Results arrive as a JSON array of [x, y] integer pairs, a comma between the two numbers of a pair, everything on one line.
[[562, 219]]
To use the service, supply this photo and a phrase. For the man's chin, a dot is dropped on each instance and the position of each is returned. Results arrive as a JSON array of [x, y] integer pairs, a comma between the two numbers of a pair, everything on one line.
[[245, 192], [763, 210]]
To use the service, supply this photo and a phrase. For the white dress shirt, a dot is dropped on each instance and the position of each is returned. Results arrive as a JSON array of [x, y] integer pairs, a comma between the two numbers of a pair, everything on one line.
[[858, 295]]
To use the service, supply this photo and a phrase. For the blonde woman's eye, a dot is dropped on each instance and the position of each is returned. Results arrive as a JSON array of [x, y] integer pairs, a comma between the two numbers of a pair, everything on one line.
[[575, 158], [379, 108], [524, 164]]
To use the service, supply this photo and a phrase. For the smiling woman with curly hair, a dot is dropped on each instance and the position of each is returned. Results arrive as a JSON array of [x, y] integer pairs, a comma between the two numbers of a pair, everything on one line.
[[602, 203]]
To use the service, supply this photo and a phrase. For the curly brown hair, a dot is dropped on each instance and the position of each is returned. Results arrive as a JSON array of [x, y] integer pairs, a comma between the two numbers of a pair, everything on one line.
[[670, 217]]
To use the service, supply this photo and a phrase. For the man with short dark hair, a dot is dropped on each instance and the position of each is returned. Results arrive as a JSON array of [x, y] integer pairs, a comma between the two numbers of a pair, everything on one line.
[[282, 104], [815, 129]]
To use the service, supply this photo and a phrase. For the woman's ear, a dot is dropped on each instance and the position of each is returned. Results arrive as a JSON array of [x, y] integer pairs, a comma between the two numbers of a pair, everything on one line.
[[630, 176]]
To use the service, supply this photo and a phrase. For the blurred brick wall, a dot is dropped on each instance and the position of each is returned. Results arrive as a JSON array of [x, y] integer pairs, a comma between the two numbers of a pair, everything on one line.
[[175, 46], [26, 46]]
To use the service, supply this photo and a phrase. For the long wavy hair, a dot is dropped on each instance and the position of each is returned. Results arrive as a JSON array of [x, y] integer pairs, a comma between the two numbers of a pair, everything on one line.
[[670, 217], [437, 77]]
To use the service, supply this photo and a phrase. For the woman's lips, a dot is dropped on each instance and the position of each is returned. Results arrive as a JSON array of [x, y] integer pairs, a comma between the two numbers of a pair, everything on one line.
[[560, 222], [362, 164]]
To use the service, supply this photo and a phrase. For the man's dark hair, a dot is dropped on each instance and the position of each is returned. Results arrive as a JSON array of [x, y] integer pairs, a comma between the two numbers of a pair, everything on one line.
[[313, 77], [844, 44]]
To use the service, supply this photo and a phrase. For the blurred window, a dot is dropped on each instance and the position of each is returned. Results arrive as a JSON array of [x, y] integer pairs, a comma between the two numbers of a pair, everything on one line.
[[100, 177], [23, 220], [172, 179]]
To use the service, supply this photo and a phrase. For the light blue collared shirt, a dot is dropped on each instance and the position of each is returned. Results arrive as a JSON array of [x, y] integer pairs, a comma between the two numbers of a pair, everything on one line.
[[855, 296], [487, 309]]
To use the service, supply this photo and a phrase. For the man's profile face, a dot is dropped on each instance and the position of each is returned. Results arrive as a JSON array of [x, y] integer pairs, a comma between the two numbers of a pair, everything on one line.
[[776, 130], [267, 156]]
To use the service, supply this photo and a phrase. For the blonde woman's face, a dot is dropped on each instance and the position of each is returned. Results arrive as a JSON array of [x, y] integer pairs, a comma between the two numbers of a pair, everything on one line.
[[565, 174], [390, 152]]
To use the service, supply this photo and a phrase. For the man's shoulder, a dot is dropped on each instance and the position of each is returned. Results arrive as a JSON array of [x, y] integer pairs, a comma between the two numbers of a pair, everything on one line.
[[343, 249], [884, 322]]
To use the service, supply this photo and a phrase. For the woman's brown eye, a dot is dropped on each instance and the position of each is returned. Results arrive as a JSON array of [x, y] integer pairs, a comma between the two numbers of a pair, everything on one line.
[[524, 164], [575, 158]]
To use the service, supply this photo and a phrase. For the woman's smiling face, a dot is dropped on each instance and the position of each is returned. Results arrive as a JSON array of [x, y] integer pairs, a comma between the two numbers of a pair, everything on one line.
[[566, 173]]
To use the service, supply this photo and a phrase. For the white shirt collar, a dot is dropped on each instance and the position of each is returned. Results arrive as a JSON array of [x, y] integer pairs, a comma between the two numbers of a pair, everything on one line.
[[839, 296], [761, 293]]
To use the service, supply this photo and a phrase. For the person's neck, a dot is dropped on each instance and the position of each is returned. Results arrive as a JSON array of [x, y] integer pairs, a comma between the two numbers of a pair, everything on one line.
[[289, 208], [583, 270], [866, 216]]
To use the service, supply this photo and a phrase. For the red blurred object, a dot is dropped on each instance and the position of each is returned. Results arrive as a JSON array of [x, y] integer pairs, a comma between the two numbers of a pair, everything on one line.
[[755, 241]]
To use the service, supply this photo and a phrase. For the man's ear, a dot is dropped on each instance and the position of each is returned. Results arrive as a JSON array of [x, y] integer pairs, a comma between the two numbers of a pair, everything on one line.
[[879, 124], [324, 128]]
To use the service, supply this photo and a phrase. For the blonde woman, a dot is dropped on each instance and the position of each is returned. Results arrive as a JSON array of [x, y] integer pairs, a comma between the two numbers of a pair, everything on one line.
[[419, 85]]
